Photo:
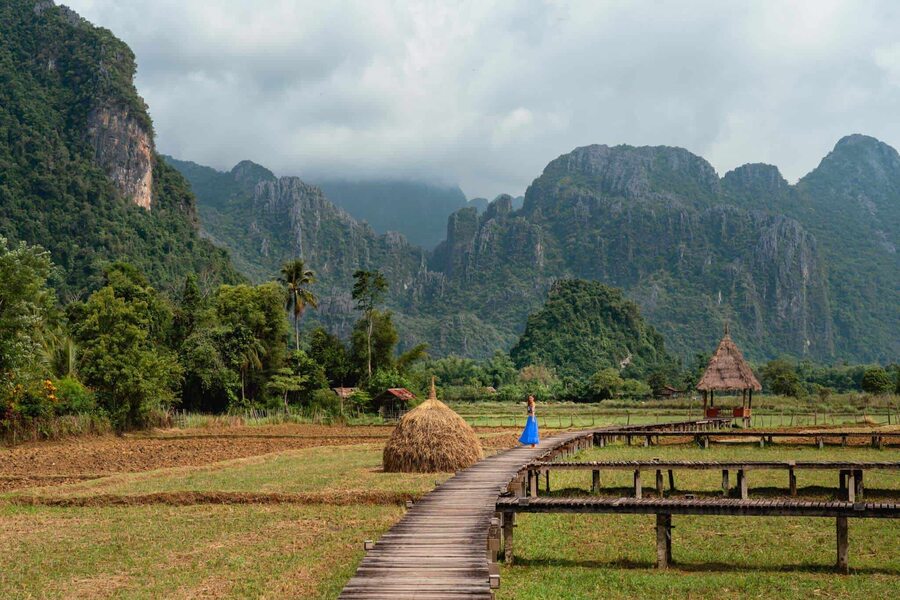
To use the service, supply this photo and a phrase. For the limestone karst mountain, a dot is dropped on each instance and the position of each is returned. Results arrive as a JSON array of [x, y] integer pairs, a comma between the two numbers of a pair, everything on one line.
[[691, 248], [79, 173]]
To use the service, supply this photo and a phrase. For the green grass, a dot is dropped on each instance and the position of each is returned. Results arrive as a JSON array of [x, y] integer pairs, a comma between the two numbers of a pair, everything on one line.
[[591, 556], [160, 551]]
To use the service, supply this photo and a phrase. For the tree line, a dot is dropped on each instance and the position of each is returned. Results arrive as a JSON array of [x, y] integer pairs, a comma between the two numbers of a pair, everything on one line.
[[128, 354]]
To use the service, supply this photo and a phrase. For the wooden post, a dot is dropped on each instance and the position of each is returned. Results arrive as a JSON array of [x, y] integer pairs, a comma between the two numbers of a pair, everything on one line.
[[659, 483], [671, 481], [843, 546], [842, 484], [533, 482], [663, 540], [859, 485], [509, 522], [547, 476], [792, 481], [742, 483], [851, 485], [725, 486], [595, 481], [821, 442], [637, 483]]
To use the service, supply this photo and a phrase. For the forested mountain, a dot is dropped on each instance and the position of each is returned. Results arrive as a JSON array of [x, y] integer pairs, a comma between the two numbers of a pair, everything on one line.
[[692, 249], [585, 326], [78, 171]]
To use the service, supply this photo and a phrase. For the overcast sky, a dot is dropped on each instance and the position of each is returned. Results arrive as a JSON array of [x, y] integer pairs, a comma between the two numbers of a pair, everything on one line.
[[485, 94]]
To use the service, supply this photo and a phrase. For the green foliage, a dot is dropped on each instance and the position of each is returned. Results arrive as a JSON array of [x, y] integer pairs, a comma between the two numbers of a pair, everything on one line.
[[606, 383], [73, 397], [25, 304], [780, 377], [385, 378], [296, 279], [52, 191], [585, 326], [877, 381], [372, 342], [330, 352], [132, 375]]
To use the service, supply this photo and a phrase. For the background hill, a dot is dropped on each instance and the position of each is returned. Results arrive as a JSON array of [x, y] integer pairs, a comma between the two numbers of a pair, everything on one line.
[[78, 171], [692, 249]]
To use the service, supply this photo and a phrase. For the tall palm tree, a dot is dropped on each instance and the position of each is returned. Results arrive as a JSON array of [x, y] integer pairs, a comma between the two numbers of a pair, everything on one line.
[[296, 278]]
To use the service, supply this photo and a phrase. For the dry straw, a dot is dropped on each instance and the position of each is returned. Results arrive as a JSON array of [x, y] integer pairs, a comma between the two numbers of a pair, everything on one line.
[[728, 370], [431, 438]]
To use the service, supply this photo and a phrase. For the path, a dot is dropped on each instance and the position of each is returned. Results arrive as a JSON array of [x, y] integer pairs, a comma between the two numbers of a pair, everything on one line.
[[438, 549]]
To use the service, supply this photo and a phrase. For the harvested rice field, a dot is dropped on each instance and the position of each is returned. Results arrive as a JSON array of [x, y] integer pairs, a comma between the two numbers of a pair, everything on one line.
[[282, 512]]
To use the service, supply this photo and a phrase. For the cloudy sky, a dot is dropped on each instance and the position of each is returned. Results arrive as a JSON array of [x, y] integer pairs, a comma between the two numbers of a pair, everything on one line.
[[485, 93]]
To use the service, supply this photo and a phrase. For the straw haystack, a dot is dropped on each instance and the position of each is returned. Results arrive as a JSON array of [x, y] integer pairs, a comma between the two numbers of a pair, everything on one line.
[[431, 438], [727, 370]]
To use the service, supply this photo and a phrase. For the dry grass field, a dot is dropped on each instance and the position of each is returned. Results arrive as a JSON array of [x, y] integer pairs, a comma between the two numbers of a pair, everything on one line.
[[282, 511]]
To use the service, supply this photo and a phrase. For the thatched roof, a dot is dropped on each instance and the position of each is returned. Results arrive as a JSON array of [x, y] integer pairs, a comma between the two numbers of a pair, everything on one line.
[[728, 370], [431, 438]]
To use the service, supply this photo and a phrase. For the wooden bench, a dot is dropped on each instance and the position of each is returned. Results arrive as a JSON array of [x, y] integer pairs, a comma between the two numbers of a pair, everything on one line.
[[850, 473], [508, 507]]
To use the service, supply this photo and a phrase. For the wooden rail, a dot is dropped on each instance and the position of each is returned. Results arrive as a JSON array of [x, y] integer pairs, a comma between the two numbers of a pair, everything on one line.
[[665, 508], [850, 473], [879, 439], [446, 544]]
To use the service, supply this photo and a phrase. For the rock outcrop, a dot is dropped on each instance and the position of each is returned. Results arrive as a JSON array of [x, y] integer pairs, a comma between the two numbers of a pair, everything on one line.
[[123, 147]]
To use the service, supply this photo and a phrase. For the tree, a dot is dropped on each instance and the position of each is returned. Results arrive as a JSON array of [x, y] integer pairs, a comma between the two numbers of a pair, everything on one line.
[[368, 291], [372, 342], [328, 350], [25, 303], [877, 381], [295, 278], [285, 381], [606, 383], [500, 370], [415, 354], [131, 374], [780, 377]]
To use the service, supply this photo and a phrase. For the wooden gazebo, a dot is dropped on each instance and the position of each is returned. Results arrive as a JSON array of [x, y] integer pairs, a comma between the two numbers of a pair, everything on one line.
[[728, 372]]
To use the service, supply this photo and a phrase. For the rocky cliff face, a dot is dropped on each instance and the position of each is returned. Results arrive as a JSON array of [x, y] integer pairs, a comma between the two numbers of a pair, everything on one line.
[[693, 250], [123, 147], [76, 156]]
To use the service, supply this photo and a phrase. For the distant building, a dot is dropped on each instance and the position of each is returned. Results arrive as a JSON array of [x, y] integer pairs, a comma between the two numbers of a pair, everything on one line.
[[392, 402], [344, 393], [668, 391]]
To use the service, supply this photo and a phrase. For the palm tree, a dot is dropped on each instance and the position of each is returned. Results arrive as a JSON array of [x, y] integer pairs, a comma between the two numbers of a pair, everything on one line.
[[250, 359], [296, 277]]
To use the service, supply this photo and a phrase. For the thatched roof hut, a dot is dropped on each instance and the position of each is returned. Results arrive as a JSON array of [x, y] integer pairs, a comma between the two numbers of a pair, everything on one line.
[[431, 438], [728, 371]]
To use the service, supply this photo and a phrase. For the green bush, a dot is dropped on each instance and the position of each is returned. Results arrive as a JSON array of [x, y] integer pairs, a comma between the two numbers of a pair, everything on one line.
[[73, 398]]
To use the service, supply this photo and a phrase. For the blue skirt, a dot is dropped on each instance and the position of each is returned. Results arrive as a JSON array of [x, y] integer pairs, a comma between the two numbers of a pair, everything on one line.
[[530, 434]]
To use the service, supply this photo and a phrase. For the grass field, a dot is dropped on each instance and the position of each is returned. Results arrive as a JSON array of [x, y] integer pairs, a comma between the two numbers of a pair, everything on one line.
[[282, 510], [589, 556]]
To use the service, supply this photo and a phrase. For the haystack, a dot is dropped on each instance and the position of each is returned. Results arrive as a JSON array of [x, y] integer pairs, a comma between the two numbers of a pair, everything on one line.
[[431, 438]]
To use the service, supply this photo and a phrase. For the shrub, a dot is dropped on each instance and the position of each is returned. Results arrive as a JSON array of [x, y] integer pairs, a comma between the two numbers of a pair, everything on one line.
[[73, 397]]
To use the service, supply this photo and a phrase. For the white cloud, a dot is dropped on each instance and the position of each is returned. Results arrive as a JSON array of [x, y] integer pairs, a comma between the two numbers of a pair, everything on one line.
[[486, 93]]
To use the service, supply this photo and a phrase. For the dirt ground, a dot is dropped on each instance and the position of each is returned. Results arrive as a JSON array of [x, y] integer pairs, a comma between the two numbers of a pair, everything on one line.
[[76, 459]]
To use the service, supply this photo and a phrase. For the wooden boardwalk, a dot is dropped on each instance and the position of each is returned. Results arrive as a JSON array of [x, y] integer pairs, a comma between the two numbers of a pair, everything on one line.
[[440, 547]]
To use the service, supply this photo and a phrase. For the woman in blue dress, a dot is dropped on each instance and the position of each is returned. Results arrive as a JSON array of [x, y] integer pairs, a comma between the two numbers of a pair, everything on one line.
[[530, 434]]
